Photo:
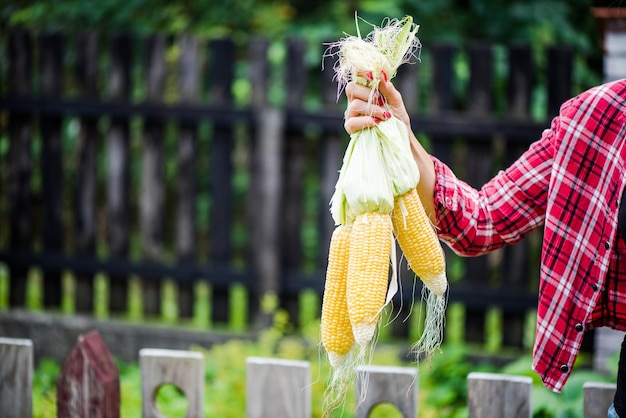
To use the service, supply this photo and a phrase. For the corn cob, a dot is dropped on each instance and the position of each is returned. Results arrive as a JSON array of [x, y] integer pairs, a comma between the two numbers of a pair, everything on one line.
[[337, 337], [419, 242], [422, 250], [368, 272]]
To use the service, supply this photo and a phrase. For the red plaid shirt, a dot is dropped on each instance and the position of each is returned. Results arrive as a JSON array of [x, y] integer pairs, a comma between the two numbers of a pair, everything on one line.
[[570, 181]]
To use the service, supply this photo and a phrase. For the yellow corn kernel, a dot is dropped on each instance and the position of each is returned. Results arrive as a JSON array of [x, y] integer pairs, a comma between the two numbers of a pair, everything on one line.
[[419, 243], [335, 326], [368, 272]]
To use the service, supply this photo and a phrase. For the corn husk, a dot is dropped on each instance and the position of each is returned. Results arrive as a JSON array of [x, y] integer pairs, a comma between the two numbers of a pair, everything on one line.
[[378, 164]]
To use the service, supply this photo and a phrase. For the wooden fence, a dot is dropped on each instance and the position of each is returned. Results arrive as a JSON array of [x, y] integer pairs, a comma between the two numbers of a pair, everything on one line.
[[156, 160], [89, 385]]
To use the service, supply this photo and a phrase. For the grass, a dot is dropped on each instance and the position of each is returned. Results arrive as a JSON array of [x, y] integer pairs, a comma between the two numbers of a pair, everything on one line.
[[442, 382]]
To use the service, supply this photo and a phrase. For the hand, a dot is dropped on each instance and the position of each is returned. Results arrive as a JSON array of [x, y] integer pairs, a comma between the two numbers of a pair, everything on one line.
[[366, 107]]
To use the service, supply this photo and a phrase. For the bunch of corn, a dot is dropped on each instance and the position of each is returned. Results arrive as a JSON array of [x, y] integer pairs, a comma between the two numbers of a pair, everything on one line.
[[375, 199]]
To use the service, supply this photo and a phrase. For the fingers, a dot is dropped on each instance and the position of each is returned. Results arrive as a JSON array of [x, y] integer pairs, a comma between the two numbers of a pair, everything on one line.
[[391, 94], [357, 123], [367, 107], [361, 114]]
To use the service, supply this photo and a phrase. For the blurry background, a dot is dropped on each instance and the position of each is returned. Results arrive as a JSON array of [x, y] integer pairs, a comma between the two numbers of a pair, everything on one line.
[[166, 166]]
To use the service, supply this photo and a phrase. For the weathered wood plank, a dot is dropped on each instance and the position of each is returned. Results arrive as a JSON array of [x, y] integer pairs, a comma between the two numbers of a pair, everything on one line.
[[259, 74], [597, 398], [86, 183], [382, 384], [16, 378], [118, 167], [184, 369], [152, 191], [496, 396], [277, 388], [89, 384], [268, 183], [294, 162], [186, 224]]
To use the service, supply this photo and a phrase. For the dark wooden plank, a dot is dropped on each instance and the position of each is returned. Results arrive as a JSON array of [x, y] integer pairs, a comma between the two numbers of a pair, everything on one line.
[[441, 97], [480, 89], [222, 70], [51, 69], [477, 168], [20, 130], [294, 167], [515, 266], [221, 73], [520, 81], [407, 82], [560, 68], [152, 191], [442, 93], [219, 276], [446, 125], [118, 169], [89, 385], [187, 189], [86, 183], [16, 375], [330, 156]]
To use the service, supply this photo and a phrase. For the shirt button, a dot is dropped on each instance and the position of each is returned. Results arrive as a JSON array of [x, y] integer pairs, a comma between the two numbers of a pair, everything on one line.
[[607, 245], [579, 327], [564, 368], [595, 287]]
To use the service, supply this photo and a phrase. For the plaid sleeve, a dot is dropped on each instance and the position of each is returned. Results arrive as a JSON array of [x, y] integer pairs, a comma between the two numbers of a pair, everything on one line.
[[474, 222]]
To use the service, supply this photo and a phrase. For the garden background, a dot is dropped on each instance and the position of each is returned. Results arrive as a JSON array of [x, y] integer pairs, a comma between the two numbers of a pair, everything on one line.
[[540, 24]]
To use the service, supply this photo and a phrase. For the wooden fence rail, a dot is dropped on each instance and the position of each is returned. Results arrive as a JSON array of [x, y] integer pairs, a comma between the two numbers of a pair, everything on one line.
[[89, 386], [141, 161]]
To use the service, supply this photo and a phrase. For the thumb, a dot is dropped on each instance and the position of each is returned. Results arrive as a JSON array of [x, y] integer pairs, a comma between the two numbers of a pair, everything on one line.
[[392, 97]]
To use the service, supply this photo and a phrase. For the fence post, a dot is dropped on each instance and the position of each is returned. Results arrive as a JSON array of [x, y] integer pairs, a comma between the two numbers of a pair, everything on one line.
[[16, 378], [89, 384], [384, 384], [185, 369], [597, 398], [494, 396], [267, 181], [277, 388]]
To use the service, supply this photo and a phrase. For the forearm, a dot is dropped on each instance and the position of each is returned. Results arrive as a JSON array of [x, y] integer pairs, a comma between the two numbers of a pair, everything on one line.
[[426, 186]]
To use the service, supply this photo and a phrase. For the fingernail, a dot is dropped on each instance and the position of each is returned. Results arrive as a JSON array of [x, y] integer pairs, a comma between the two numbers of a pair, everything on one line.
[[370, 76], [381, 100], [377, 120], [387, 115], [384, 75]]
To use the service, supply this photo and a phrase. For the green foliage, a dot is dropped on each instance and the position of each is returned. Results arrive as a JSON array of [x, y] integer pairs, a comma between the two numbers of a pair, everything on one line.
[[44, 389], [442, 379], [542, 21]]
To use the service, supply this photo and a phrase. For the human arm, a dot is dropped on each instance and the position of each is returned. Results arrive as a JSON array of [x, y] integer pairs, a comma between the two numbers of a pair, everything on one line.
[[470, 221]]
